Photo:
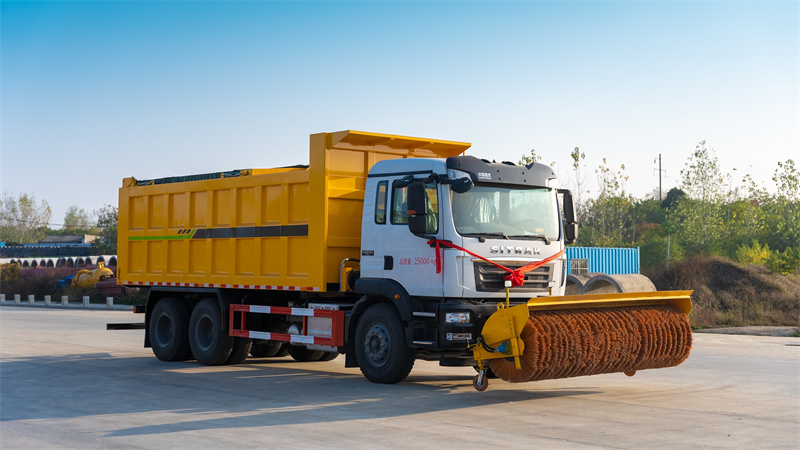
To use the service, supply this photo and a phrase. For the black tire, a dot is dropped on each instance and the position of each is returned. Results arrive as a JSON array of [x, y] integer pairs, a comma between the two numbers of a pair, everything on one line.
[[241, 348], [329, 356], [169, 330], [283, 350], [209, 342], [267, 349], [302, 354], [380, 346]]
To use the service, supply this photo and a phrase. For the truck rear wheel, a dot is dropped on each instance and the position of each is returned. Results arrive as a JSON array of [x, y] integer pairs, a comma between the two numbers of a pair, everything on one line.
[[329, 356], [268, 349], [169, 330], [303, 354], [380, 346], [241, 348], [209, 342]]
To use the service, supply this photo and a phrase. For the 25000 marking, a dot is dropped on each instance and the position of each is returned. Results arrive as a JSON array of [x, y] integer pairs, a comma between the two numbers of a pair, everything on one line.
[[417, 261]]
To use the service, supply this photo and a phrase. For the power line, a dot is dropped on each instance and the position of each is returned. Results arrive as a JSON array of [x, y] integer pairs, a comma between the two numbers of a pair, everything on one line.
[[38, 223]]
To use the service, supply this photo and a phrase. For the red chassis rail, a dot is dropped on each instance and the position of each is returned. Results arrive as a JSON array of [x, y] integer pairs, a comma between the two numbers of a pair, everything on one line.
[[334, 339]]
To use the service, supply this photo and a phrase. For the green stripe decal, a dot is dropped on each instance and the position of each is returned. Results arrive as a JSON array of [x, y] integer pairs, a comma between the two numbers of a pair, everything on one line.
[[182, 234], [231, 233]]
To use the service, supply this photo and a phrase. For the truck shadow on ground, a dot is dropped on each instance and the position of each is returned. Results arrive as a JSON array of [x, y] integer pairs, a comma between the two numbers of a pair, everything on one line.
[[153, 397]]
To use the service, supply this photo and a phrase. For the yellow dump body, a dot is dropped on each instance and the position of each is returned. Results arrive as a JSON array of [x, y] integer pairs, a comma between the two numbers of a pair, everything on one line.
[[282, 228]]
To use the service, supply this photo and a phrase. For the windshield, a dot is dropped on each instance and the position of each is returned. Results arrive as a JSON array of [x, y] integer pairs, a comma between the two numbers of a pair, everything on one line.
[[506, 212]]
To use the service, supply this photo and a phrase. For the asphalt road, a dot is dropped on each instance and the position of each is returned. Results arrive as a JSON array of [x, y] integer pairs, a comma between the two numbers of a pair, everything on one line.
[[65, 382]]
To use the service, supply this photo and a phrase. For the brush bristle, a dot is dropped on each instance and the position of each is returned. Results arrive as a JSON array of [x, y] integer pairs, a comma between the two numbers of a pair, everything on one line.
[[571, 343]]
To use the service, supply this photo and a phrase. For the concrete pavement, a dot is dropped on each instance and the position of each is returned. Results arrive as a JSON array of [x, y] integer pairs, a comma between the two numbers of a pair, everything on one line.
[[65, 382]]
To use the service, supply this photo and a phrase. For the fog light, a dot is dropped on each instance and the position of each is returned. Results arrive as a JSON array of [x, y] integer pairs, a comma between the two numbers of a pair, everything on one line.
[[458, 337], [461, 317]]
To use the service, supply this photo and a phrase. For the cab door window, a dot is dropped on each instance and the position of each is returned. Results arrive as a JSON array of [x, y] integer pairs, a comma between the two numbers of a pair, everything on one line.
[[380, 202], [400, 206]]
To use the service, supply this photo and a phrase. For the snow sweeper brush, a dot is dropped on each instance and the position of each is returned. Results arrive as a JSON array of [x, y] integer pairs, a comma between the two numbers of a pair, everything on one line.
[[562, 337]]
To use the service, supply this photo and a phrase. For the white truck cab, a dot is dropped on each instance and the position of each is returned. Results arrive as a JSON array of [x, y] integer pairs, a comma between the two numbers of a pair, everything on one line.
[[505, 213], [499, 213]]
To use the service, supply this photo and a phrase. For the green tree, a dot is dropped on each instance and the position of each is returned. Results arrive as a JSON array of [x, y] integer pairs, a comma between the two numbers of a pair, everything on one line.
[[107, 222], [701, 178], [530, 158], [698, 219], [653, 253], [747, 225], [787, 180], [578, 183], [649, 211], [607, 219], [785, 207], [76, 218], [673, 197], [22, 219]]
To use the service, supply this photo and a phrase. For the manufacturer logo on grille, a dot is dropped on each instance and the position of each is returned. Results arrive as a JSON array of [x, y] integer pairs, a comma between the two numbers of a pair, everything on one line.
[[511, 250]]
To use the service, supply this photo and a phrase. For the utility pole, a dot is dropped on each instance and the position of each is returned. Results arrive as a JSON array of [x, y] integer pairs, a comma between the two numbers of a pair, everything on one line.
[[668, 236], [659, 176]]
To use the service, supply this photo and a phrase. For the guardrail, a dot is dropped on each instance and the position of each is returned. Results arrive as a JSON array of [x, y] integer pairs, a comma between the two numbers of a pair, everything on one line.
[[63, 303]]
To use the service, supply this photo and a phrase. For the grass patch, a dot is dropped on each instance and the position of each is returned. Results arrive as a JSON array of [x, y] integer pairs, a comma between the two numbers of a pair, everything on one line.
[[49, 281]]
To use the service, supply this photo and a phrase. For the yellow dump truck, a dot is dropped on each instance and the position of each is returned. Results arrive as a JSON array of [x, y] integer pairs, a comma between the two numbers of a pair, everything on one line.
[[386, 249]]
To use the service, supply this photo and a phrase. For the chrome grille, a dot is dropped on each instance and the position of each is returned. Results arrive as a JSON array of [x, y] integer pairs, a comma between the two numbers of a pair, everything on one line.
[[490, 278]]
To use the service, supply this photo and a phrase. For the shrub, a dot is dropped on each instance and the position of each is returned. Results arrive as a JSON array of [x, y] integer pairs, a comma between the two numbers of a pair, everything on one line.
[[753, 255], [9, 272], [37, 282], [786, 262], [728, 294]]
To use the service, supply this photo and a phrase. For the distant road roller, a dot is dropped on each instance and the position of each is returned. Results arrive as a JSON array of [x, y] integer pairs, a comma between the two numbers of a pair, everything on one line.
[[386, 249]]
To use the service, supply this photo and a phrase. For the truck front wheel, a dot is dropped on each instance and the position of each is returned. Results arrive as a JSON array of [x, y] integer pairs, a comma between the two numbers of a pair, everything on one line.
[[169, 330], [380, 346], [209, 342]]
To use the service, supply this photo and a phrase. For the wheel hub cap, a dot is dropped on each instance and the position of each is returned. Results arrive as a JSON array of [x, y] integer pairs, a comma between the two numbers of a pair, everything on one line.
[[376, 344]]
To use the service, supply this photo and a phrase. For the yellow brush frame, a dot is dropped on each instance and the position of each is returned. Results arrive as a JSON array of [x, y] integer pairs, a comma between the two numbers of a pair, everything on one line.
[[505, 325]]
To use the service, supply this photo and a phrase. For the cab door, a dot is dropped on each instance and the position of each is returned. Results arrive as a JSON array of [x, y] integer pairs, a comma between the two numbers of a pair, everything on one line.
[[408, 259]]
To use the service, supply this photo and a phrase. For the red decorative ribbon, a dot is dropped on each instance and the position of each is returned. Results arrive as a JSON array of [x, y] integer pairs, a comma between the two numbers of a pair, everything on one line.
[[516, 276]]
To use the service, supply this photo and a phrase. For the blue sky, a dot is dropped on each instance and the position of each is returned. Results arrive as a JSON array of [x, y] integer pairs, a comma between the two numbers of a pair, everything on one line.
[[96, 91]]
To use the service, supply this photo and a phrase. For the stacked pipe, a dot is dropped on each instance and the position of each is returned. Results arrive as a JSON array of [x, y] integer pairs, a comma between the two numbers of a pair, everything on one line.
[[571, 343]]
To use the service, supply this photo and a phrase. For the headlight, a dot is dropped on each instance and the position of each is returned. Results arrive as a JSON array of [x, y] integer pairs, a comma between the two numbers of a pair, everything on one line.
[[459, 317]]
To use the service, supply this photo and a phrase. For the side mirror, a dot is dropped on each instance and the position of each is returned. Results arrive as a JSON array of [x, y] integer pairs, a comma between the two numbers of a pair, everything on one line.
[[461, 185], [570, 224], [570, 233], [416, 208]]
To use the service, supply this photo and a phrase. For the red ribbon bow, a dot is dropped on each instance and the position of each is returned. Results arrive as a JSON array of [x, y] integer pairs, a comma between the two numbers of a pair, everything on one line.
[[516, 276]]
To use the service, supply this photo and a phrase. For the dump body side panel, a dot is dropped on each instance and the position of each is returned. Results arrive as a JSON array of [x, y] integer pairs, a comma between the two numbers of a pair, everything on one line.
[[248, 231]]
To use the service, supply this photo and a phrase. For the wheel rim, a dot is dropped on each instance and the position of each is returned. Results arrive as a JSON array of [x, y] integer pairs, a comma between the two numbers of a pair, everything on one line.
[[376, 344], [204, 334], [163, 330]]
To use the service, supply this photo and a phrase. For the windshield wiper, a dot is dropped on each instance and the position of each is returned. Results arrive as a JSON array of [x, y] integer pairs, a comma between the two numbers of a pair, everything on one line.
[[498, 234], [532, 236]]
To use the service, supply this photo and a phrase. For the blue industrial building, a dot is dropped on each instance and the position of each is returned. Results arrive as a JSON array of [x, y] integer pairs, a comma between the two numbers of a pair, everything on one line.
[[612, 261]]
